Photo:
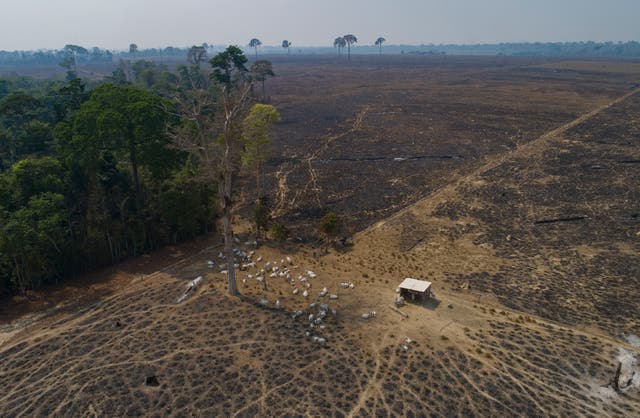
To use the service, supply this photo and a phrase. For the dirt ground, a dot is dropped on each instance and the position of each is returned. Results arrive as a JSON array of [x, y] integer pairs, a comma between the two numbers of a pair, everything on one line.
[[532, 247]]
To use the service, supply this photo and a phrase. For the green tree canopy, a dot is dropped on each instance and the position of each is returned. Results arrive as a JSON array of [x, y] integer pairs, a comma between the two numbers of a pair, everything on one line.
[[229, 65]]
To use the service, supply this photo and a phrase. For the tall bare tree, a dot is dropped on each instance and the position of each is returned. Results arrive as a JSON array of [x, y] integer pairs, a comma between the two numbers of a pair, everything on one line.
[[212, 132]]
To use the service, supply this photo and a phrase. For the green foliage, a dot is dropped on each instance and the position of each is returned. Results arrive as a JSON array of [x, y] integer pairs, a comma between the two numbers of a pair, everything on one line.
[[330, 224], [4, 88], [128, 122], [31, 238], [186, 205], [278, 232], [255, 134], [261, 215], [196, 54], [70, 98], [118, 77], [262, 69], [192, 77], [153, 77], [228, 65], [21, 131], [108, 188], [31, 177]]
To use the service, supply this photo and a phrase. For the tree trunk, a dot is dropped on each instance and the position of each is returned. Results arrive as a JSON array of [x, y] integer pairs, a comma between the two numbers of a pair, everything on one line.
[[134, 170], [19, 276], [258, 181], [228, 249], [227, 229], [225, 186], [264, 92], [348, 51]]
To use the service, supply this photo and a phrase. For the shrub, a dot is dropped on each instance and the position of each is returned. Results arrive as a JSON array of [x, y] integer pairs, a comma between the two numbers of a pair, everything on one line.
[[260, 215], [278, 232], [330, 224]]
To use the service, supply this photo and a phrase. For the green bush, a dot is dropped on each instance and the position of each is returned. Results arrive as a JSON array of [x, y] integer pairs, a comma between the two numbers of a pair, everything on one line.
[[260, 215], [278, 232], [330, 224]]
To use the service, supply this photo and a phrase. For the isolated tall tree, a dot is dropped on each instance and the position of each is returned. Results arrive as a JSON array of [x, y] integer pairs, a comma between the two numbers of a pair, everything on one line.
[[260, 70], [379, 43], [287, 44], [229, 70], [133, 48], [350, 39], [339, 43], [212, 132], [255, 43]]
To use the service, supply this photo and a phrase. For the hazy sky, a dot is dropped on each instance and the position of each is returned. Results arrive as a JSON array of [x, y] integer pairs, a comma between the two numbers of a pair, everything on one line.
[[113, 24]]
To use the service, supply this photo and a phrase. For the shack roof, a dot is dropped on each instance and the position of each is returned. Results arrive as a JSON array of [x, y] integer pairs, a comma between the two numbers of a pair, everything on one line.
[[415, 285]]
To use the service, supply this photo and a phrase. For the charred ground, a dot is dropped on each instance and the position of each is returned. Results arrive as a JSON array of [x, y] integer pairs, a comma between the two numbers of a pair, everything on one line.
[[529, 233], [367, 138]]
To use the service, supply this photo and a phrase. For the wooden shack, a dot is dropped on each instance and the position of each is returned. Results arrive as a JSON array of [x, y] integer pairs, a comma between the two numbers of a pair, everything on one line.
[[415, 290]]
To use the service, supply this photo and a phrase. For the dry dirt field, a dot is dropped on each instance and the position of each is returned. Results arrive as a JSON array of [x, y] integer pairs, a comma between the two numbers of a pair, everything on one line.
[[511, 184]]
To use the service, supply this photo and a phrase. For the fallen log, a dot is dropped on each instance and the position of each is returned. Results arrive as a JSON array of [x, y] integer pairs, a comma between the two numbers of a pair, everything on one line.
[[615, 381], [393, 308], [564, 219]]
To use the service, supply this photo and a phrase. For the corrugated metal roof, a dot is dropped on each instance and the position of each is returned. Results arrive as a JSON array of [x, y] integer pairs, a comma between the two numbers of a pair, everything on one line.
[[415, 285]]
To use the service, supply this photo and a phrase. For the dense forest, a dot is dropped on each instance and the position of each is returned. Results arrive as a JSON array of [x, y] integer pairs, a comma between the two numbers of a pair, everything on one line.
[[91, 174]]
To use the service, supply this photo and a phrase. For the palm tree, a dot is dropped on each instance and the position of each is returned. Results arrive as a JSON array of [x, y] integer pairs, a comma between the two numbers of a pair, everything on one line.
[[379, 43], [255, 43], [286, 44], [350, 39], [339, 42]]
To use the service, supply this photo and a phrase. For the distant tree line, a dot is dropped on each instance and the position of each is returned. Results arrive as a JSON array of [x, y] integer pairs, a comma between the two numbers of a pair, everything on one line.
[[548, 49], [629, 49], [89, 176]]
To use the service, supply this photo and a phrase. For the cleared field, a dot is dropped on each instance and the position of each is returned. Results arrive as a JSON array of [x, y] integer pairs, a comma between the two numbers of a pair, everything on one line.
[[529, 232], [371, 137]]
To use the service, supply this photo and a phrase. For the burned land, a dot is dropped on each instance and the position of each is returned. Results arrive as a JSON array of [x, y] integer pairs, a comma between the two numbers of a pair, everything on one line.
[[511, 184], [369, 138]]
